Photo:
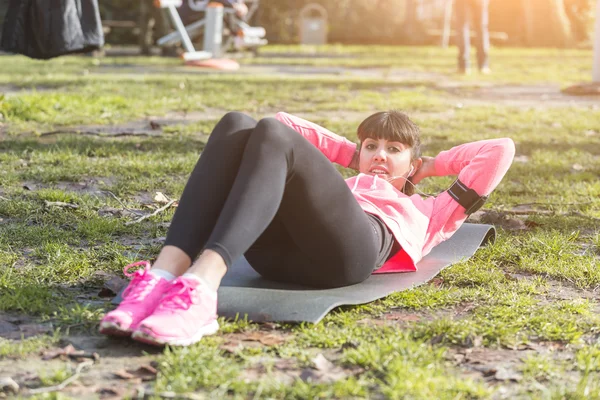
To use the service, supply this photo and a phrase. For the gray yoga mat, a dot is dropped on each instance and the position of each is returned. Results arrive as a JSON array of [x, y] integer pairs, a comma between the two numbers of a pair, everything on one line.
[[244, 292]]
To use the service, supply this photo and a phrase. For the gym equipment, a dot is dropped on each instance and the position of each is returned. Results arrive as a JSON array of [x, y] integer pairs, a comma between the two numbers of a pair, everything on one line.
[[243, 35]]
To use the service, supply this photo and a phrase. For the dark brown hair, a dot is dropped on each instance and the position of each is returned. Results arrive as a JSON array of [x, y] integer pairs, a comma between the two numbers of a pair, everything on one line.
[[394, 126]]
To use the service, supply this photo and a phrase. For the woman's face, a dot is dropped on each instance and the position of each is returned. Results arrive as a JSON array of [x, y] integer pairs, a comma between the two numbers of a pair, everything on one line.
[[386, 159]]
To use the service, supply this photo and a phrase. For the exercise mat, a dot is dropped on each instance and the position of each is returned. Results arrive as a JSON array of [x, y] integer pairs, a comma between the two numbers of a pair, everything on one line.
[[244, 292]]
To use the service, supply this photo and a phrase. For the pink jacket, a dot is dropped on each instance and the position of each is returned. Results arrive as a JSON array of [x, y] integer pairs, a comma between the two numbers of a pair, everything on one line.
[[417, 224]]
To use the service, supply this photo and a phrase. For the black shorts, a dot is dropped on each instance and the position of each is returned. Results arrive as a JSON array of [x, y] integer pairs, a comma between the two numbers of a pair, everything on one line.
[[385, 238]]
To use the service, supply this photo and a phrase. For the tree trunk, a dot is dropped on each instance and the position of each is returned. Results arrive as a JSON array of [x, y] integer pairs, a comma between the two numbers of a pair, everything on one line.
[[3, 9]]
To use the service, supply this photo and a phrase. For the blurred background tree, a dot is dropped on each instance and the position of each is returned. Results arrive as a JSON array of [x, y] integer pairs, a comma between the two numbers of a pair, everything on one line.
[[559, 23]]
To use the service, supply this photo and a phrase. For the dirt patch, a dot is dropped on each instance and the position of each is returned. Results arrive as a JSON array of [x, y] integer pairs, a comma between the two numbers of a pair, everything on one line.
[[114, 360], [19, 326], [94, 186], [533, 96]]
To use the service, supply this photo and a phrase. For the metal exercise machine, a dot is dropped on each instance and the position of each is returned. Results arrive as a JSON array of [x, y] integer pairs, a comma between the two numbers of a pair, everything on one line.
[[244, 36]]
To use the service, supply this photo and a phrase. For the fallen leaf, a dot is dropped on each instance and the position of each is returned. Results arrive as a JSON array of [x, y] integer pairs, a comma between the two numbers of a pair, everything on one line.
[[402, 317], [486, 370], [510, 277], [146, 372], [324, 371], [112, 286], [268, 339], [60, 204], [437, 339], [252, 374], [351, 344], [107, 211], [473, 341], [65, 351], [437, 282], [270, 325], [154, 125], [143, 373], [161, 198], [458, 358], [231, 346], [500, 219], [372, 322], [577, 167], [112, 392], [286, 364], [504, 374], [532, 224], [8, 385], [322, 364], [465, 308], [123, 374]]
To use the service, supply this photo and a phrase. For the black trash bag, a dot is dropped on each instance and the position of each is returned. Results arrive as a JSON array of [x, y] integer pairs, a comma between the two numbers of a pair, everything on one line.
[[45, 29]]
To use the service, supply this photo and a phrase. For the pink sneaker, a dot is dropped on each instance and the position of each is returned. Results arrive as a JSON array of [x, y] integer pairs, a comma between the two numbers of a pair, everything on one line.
[[187, 312], [139, 300]]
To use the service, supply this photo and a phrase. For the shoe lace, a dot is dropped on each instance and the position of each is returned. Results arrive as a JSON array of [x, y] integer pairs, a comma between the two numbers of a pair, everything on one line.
[[181, 296], [139, 287]]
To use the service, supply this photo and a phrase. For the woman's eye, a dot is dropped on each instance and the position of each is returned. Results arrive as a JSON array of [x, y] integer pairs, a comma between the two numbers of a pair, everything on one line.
[[370, 147], [394, 150]]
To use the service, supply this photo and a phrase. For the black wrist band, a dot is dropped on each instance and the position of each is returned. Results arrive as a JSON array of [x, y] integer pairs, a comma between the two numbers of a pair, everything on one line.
[[466, 197]]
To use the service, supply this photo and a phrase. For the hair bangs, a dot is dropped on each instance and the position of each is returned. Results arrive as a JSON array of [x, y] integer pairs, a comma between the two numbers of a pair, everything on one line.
[[393, 126]]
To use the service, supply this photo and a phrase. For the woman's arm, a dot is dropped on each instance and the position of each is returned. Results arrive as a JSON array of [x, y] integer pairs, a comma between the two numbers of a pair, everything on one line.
[[480, 166], [336, 148], [426, 170]]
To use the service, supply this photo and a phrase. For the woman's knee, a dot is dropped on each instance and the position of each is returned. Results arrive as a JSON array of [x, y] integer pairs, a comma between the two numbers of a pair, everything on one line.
[[235, 116], [270, 131], [232, 124]]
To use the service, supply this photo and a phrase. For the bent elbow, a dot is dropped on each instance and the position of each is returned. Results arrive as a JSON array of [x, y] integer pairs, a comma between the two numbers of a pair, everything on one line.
[[505, 149]]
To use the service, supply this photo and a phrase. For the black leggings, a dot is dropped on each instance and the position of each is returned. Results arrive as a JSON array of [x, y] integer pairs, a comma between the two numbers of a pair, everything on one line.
[[263, 191]]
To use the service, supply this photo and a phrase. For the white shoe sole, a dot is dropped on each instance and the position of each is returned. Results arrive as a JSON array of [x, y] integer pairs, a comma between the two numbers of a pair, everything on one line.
[[206, 330], [113, 329]]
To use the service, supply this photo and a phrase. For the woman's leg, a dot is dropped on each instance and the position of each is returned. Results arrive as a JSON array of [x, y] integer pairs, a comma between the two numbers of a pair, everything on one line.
[[205, 193], [283, 175], [463, 38]]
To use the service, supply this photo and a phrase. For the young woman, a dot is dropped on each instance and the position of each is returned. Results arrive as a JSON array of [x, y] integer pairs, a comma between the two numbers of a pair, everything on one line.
[[267, 190]]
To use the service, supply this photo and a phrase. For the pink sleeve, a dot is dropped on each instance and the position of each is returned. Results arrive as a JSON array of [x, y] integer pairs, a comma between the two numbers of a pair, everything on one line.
[[479, 165], [336, 148]]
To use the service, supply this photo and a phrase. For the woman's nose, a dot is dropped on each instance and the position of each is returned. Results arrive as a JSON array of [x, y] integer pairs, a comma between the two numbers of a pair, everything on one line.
[[380, 154]]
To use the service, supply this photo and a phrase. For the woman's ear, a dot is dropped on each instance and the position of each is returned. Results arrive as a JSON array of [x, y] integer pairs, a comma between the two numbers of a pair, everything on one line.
[[416, 164]]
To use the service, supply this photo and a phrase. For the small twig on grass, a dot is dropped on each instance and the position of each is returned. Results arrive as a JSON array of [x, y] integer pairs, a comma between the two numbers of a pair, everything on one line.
[[528, 212], [553, 204], [92, 133], [143, 217], [4, 198], [122, 204], [66, 382], [170, 395], [60, 204]]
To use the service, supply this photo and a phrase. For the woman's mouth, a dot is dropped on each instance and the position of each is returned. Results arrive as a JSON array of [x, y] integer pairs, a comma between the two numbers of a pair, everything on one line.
[[378, 171]]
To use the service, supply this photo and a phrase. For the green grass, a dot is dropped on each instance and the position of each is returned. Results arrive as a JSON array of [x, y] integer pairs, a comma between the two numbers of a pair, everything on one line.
[[504, 297], [510, 65], [26, 347]]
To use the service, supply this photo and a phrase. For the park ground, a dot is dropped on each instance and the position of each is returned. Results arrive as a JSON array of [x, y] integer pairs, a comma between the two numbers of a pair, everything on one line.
[[89, 146]]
